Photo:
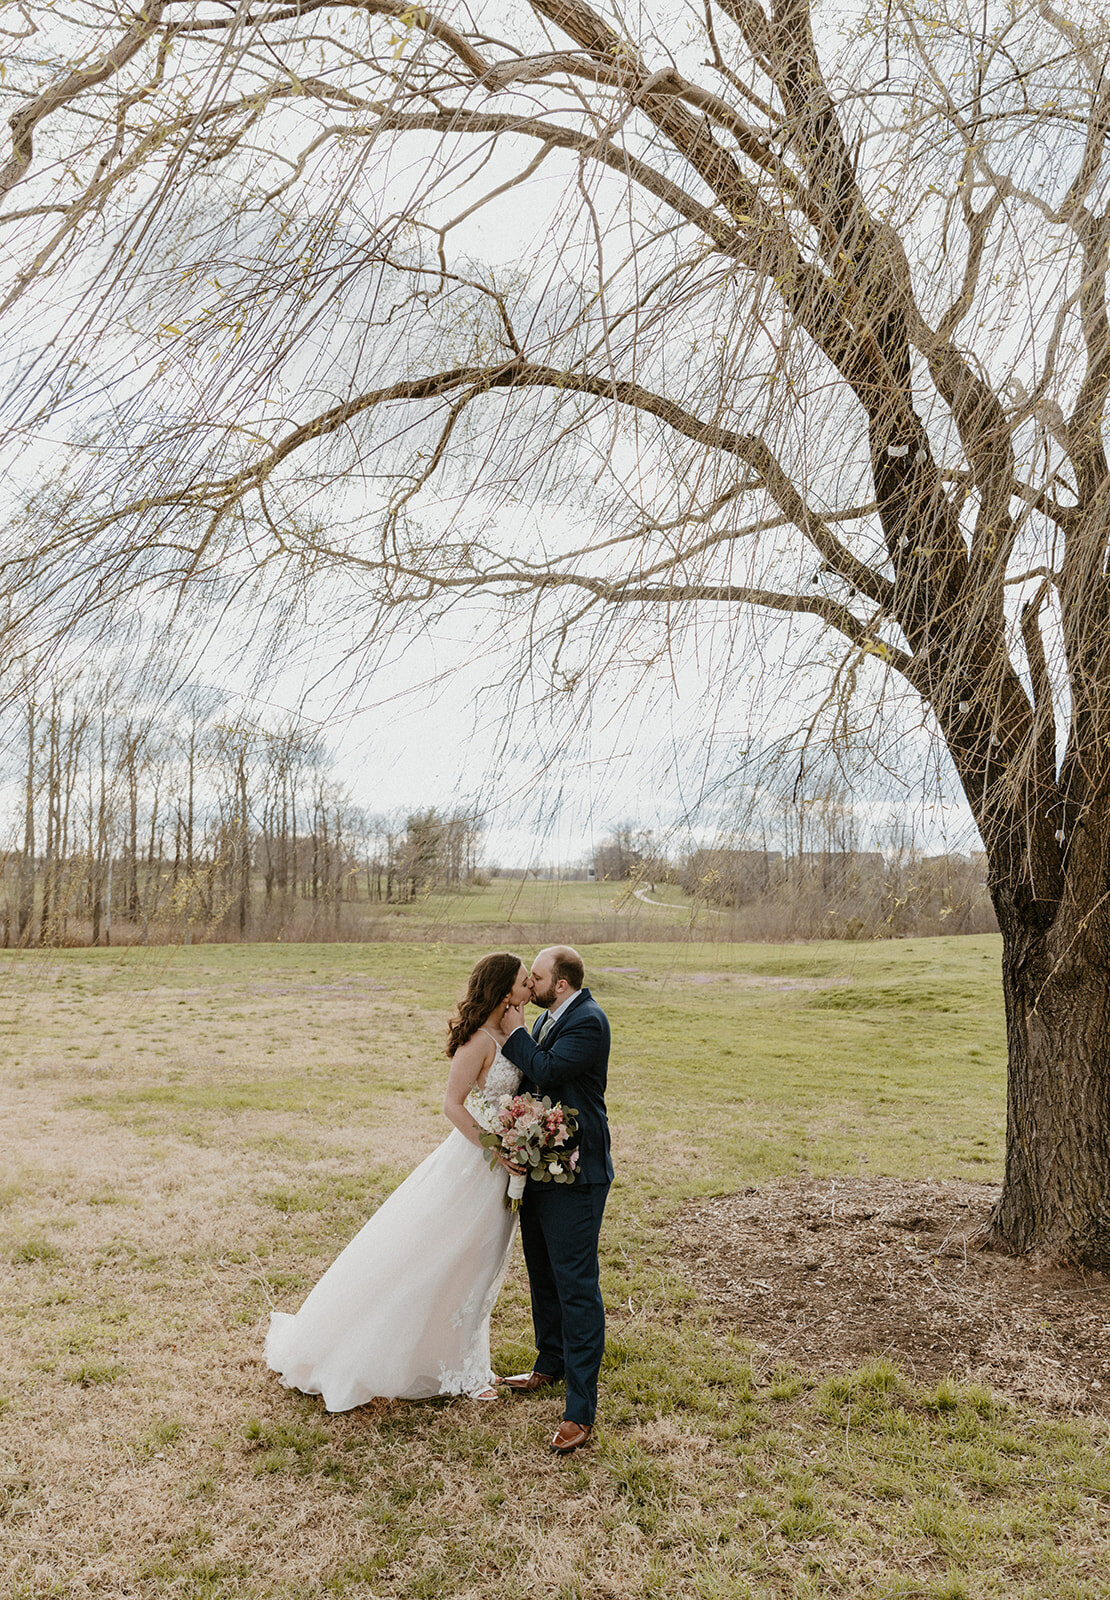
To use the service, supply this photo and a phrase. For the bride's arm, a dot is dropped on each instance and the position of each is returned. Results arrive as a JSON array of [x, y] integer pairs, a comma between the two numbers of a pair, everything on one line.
[[467, 1065]]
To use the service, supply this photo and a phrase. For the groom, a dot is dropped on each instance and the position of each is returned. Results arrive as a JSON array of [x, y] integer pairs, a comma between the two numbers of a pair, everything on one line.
[[566, 1056]]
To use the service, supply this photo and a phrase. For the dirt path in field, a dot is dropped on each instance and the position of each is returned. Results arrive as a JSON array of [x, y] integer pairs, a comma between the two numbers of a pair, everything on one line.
[[827, 1272]]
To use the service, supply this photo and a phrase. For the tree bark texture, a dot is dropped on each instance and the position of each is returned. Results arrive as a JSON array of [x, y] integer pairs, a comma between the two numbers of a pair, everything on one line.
[[1055, 1201]]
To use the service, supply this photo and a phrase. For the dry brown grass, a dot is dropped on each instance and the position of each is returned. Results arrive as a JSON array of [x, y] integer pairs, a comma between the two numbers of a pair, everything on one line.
[[197, 1134], [164, 1218]]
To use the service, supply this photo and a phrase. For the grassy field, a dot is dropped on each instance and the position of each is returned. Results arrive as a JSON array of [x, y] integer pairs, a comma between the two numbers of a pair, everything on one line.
[[548, 901], [526, 908], [518, 907], [190, 1136]]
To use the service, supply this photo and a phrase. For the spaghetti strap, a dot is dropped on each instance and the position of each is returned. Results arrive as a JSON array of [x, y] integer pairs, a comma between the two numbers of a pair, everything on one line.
[[489, 1035]]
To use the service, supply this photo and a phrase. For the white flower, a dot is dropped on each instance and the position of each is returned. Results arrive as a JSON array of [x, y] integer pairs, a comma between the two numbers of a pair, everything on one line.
[[552, 1166]]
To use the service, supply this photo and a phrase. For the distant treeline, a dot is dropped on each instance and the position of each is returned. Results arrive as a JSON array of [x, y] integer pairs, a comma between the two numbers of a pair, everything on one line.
[[155, 817], [843, 894], [821, 885], [141, 814]]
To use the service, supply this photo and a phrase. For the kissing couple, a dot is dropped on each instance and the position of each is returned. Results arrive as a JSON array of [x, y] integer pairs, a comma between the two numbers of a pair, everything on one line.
[[403, 1313]]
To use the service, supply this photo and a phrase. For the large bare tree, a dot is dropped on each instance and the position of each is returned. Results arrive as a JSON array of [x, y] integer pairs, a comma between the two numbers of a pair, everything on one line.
[[707, 307]]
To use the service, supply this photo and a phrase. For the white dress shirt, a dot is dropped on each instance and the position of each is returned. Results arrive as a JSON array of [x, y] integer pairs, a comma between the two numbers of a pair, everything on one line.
[[562, 1006]]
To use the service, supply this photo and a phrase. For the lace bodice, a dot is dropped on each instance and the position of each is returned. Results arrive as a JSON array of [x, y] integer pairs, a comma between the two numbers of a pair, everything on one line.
[[502, 1078]]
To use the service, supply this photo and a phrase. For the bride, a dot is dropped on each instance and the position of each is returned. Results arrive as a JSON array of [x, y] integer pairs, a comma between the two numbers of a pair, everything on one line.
[[404, 1311]]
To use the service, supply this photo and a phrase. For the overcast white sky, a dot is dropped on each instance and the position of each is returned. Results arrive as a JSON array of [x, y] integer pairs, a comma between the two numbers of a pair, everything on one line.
[[429, 721], [431, 724], [421, 726]]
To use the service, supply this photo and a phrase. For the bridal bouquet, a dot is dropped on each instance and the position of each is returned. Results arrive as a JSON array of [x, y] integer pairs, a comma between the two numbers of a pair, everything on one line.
[[534, 1134]]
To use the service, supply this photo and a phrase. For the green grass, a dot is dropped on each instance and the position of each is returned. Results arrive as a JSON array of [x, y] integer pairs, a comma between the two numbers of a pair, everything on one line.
[[235, 1113], [891, 1053], [587, 910], [96, 1372], [549, 903], [33, 1249]]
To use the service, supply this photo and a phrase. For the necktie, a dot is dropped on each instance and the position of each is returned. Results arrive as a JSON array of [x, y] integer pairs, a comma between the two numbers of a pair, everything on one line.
[[549, 1023]]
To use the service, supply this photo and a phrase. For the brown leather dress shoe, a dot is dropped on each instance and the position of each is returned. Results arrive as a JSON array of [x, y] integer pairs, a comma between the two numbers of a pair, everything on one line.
[[568, 1436], [526, 1382]]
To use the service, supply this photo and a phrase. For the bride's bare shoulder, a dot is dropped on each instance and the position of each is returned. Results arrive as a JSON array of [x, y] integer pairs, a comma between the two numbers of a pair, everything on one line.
[[476, 1054]]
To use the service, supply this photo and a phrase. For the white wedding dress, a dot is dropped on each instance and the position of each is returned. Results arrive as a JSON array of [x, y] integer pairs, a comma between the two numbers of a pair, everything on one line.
[[404, 1311]]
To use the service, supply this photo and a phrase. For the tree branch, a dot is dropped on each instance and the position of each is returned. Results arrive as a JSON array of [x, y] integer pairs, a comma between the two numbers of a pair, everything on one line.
[[518, 373], [518, 580], [412, 15], [63, 90]]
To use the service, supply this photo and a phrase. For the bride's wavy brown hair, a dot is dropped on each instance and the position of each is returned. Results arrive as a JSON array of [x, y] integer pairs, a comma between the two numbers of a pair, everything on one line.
[[491, 980]]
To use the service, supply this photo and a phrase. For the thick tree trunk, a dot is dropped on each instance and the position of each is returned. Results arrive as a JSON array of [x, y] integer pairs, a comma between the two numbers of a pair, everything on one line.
[[1055, 1202]]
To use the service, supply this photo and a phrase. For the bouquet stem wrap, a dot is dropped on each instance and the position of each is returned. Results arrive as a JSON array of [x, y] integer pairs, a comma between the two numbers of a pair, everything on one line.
[[517, 1182]]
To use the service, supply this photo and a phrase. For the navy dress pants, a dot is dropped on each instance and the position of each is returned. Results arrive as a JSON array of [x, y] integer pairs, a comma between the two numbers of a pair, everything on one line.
[[559, 1228]]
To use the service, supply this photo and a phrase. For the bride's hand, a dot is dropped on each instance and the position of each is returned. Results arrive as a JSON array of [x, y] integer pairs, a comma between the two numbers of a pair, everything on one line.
[[512, 1018]]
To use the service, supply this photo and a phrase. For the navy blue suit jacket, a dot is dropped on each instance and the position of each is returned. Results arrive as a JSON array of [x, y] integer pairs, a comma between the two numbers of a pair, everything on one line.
[[572, 1065]]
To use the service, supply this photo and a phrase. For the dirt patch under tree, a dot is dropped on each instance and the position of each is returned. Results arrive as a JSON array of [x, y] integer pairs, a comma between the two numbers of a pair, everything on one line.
[[827, 1272]]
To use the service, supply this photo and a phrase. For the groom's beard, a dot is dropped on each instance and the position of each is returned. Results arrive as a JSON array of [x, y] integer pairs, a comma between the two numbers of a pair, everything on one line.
[[544, 1001]]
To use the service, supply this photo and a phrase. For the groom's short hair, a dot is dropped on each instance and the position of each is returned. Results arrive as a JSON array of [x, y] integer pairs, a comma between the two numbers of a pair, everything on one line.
[[567, 963]]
